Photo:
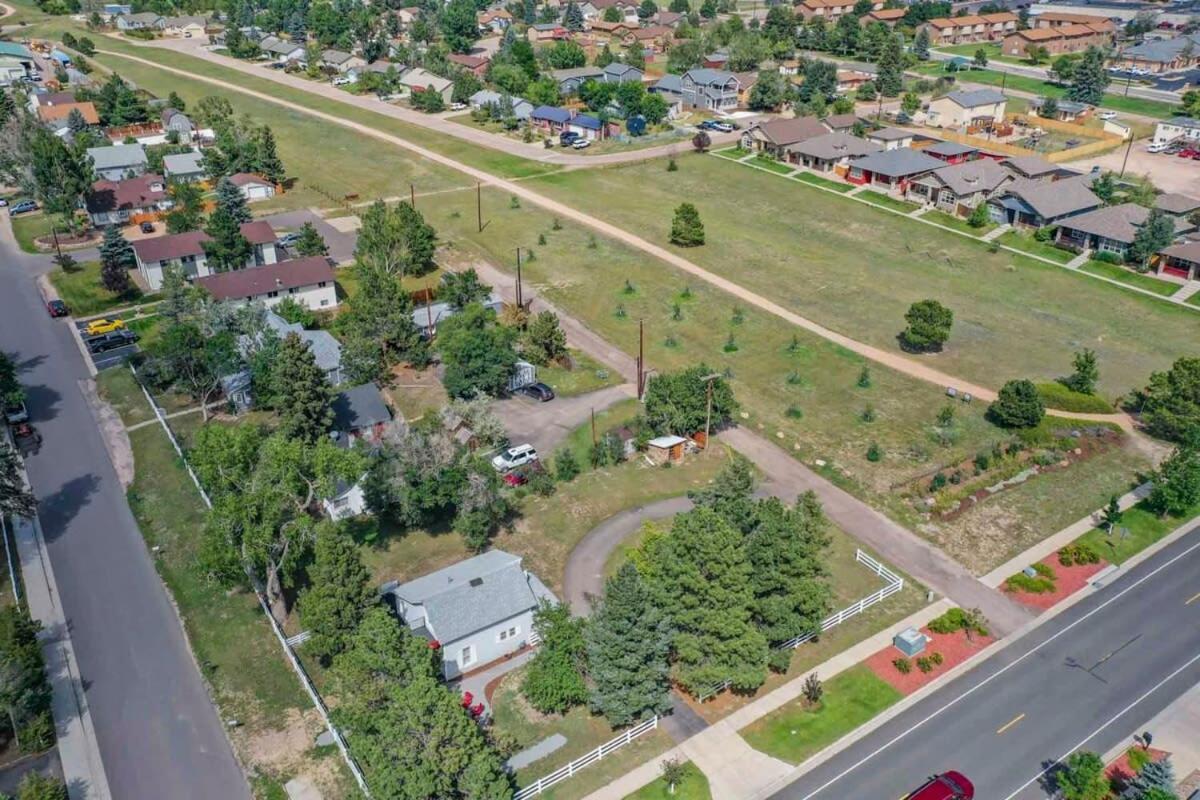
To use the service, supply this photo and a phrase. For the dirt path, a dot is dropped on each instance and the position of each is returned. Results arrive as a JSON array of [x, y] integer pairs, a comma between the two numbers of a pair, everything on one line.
[[896, 361]]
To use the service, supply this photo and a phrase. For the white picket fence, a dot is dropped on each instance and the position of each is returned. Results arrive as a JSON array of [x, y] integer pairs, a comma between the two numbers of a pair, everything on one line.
[[894, 584], [562, 773]]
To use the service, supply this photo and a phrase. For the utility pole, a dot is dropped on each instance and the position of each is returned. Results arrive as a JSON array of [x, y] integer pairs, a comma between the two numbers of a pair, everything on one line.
[[708, 379], [520, 298], [478, 206], [593, 426], [1125, 160], [57, 249], [641, 360], [429, 316]]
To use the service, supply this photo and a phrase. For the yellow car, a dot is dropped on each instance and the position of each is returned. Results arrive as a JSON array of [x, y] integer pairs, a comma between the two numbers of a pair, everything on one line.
[[98, 326]]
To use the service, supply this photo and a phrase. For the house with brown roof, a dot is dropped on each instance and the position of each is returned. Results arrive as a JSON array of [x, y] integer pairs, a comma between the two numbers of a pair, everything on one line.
[[186, 251], [830, 10], [1037, 203], [1107, 230], [841, 123], [1181, 260], [476, 65], [774, 136], [1177, 205], [253, 187], [1072, 38], [831, 152], [971, 28], [60, 111], [117, 202], [603, 31], [496, 20], [1060, 19], [888, 16], [309, 281], [959, 188], [891, 170], [655, 39]]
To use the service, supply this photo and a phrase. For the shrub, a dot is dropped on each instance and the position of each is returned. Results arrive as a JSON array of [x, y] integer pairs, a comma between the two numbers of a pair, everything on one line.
[[938, 482], [780, 660], [794, 412], [864, 378], [1021, 582], [925, 664], [1017, 406], [1106, 257], [730, 344], [1138, 758], [1078, 553], [566, 466], [868, 414], [874, 453], [902, 665], [983, 461], [959, 619], [813, 689], [936, 658]]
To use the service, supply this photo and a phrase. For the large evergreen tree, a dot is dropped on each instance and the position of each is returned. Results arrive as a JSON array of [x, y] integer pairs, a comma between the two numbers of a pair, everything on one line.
[[339, 592], [378, 326], [302, 392], [787, 552], [628, 647], [226, 248], [231, 200], [890, 67], [700, 576], [116, 258], [1090, 79], [311, 243], [267, 162]]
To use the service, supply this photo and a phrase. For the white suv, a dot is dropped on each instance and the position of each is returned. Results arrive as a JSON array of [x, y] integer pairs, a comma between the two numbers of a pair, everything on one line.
[[514, 457]]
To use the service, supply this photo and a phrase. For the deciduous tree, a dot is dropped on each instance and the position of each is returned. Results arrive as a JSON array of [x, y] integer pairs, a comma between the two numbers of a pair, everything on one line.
[[554, 681], [1085, 374], [1177, 482], [676, 402], [545, 341], [1171, 404], [1083, 778], [460, 289], [477, 352], [395, 240]]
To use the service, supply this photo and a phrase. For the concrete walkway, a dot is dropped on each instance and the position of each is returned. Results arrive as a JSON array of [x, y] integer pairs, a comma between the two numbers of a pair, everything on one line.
[[996, 233], [1186, 291], [1079, 260], [476, 682]]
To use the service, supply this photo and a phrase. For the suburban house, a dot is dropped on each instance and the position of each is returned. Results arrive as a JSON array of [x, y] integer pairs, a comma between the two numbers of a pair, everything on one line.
[[253, 187], [966, 109], [110, 10], [594, 9], [186, 250], [183, 167], [418, 80], [309, 281], [775, 136], [958, 188], [486, 98], [830, 151], [607, 31], [282, 50], [1161, 55], [891, 138], [496, 20], [20, 53], [184, 27], [59, 112], [129, 200], [428, 317], [951, 152], [591, 128], [547, 32], [970, 28], [617, 72], [550, 119], [1106, 230], [175, 120], [1035, 204], [670, 88], [325, 348], [888, 16], [892, 169], [1180, 206], [669, 19], [118, 161], [830, 10], [1034, 167], [569, 80], [359, 415], [716, 60], [841, 123], [144, 21], [1071, 38], [651, 40], [1064, 110], [1181, 260], [340, 61], [476, 65], [474, 612], [746, 83], [1185, 128], [710, 89]]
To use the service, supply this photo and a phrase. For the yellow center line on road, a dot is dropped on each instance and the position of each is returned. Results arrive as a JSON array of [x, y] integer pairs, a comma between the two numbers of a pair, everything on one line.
[[1009, 724], [1193, 599]]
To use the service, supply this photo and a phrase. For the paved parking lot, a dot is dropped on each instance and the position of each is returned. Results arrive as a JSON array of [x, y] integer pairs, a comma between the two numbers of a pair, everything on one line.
[[1169, 173], [109, 358]]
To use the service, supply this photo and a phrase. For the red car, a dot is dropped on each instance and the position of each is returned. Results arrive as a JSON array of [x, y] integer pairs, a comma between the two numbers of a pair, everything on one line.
[[57, 308], [1188, 153], [947, 786]]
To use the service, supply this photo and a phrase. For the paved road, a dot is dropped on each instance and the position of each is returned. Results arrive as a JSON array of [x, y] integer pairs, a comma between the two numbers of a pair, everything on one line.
[[159, 733], [1087, 679]]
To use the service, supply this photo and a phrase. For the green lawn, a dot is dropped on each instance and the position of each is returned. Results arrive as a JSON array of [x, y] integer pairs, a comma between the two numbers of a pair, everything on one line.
[[1027, 244], [957, 223], [887, 201], [856, 270], [1143, 528], [585, 375], [991, 49], [1128, 276], [694, 786], [770, 164], [28, 227], [84, 295], [825, 183], [1055, 395], [796, 732]]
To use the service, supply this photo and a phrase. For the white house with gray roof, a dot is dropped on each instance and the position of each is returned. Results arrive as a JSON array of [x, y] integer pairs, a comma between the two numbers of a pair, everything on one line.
[[118, 161], [477, 611], [710, 89], [183, 167]]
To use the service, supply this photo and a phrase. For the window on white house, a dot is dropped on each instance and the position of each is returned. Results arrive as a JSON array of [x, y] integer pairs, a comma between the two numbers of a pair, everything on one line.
[[324, 302], [291, 291], [508, 633], [272, 294], [466, 656]]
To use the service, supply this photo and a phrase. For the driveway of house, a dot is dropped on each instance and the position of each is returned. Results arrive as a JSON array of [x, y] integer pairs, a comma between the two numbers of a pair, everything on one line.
[[546, 425], [341, 243]]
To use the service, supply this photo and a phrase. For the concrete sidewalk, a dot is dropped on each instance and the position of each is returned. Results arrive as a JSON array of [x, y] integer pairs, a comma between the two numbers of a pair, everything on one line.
[[78, 749]]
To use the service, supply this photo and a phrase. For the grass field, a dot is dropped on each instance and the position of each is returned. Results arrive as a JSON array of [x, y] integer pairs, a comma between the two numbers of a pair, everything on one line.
[[83, 294], [694, 786], [1138, 529], [1119, 273], [585, 375], [856, 269], [1026, 243], [957, 223], [825, 183], [887, 201], [797, 731], [28, 227]]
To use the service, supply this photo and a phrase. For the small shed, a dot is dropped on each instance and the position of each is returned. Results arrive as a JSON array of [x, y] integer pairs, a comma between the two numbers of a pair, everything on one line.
[[666, 449]]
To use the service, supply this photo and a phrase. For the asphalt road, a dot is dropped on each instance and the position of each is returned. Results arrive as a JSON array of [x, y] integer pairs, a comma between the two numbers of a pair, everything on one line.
[[159, 734], [1087, 679]]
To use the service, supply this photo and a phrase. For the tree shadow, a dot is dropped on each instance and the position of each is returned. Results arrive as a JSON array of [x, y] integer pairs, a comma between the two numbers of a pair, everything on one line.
[[1048, 781], [58, 509], [42, 402]]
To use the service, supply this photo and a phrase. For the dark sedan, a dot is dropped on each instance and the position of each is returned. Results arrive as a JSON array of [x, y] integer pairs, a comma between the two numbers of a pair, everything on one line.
[[538, 391], [57, 308], [111, 340]]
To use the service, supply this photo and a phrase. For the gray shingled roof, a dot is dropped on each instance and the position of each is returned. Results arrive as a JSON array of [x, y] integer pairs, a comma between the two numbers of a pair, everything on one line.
[[1119, 223], [898, 163], [949, 149], [1161, 50], [1052, 199], [359, 407], [183, 164], [890, 134], [976, 97], [1031, 166], [325, 349], [117, 156], [1174, 203], [833, 146], [783, 132], [471, 595], [969, 177]]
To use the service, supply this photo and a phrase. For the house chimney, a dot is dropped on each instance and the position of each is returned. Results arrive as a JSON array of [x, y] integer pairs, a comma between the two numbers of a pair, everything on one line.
[[279, 281]]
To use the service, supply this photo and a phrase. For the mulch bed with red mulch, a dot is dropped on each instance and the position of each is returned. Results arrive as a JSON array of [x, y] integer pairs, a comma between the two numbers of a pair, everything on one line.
[[1119, 772], [1067, 581], [954, 647]]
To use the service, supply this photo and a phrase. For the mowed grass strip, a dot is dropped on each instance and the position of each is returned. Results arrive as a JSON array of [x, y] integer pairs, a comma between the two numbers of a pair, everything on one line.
[[84, 295], [1128, 276], [798, 731], [1027, 244], [693, 786], [1138, 529], [857, 269]]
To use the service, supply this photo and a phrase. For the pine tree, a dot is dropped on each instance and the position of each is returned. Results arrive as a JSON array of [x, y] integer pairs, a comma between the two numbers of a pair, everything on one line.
[[921, 45], [1155, 775], [729, 494], [700, 576], [1090, 79], [231, 200], [302, 392], [266, 156], [116, 258], [8, 107], [605, 57], [787, 551], [628, 645], [339, 593], [573, 17], [175, 101], [311, 243], [890, 68], [686, 228], [76, 122], [227, 248]]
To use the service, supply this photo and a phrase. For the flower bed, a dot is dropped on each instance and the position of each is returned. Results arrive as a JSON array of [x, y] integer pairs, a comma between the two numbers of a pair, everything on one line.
[[1122, 770], [954, 648], [1067, 581]]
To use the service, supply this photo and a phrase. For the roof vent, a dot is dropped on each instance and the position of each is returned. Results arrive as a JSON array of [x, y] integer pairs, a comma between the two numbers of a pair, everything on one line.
[[477, 581], [279, 281]]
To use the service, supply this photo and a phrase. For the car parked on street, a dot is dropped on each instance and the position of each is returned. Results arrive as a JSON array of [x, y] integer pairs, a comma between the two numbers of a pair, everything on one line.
[[57, 308], [16, 412], [947, 786], [102, 325], [514, 457], [537, 391], [111, 341], [27, 439], [23, 207]]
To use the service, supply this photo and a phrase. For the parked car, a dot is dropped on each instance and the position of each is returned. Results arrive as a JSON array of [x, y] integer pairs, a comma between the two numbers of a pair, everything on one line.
[[538, 391], [23, 207], [514, 457], [706, 125], [722, 127], [288, 239], [567, 138], [99, 326], [1106, 115], [57, 308], [111, 340], [947, 786], [581, 144], [1157, 147], [342, 81], [28, 440], [147, 227], [16, 412], [458, 106], [3, 203], [1188, 152]]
